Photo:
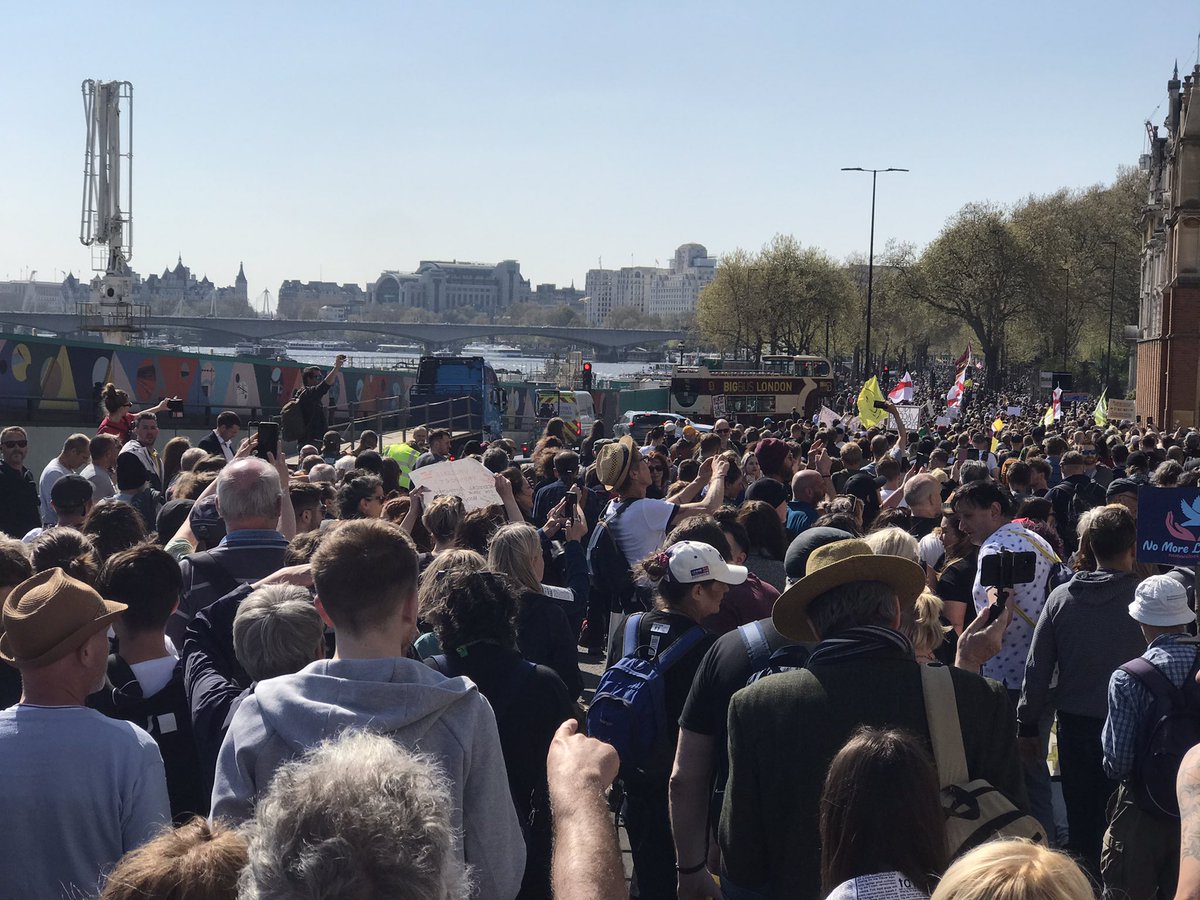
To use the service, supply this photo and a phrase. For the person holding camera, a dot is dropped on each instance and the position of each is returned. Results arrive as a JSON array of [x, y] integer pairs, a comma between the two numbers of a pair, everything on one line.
[[316, 386], [1017, 565]]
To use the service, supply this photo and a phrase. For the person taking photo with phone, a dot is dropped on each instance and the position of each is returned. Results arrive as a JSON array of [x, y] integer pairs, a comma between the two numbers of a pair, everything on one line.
[[310, 398]]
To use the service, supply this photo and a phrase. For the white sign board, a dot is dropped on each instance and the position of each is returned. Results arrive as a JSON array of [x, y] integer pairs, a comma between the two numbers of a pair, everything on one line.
[[718, 406], [1014, 410], [910, 416], [464, 478], [1046, 379], [942, 422], [1119, 410]]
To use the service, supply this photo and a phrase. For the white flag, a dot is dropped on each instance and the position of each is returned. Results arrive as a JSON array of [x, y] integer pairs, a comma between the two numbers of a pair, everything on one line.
[[827, 417]]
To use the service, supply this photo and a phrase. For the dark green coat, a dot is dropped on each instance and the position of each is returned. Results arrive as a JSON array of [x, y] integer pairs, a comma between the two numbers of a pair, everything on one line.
[[784, 731]]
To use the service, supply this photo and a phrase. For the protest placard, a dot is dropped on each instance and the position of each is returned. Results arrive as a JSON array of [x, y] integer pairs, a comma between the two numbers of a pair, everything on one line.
[[464, 478], [1014, 410], [1121, 410], [1168, 525]]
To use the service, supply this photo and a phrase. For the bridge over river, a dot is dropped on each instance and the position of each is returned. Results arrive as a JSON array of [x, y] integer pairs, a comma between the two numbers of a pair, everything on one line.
[[431, 335]]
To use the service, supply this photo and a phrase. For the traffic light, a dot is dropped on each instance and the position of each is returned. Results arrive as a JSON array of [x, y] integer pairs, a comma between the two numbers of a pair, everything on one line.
[[587, 376], [886, 373]]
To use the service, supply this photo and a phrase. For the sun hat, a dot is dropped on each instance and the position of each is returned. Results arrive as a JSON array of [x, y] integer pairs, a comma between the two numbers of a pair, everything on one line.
[[614, 460], [838, 563], [795, 561], [50, 615], [693, 561], [1161, 601], [669, 427]]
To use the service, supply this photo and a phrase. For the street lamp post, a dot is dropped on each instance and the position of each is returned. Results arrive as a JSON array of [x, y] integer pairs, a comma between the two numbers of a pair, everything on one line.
[[1066, 319], [870, 259], [1112, 299]]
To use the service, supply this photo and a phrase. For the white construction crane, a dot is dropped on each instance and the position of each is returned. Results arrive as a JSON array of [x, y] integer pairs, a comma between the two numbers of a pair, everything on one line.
[[105, 221]]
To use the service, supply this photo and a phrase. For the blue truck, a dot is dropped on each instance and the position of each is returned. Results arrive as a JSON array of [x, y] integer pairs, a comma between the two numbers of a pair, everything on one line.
[[459, 393]]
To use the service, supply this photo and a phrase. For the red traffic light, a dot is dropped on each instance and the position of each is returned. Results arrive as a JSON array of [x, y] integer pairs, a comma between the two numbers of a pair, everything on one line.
[[587, 367]]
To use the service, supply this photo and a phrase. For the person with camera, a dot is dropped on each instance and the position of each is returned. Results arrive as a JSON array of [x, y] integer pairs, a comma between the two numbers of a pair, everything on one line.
[[1084, 634], [1013, 558], [310, 396]]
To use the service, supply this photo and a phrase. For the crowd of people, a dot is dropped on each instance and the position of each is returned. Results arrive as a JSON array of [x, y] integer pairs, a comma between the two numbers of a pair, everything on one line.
[[836, 664]]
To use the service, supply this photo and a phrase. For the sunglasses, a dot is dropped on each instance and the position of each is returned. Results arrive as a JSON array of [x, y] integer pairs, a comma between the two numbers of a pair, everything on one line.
[[724, 430], [8, 445]]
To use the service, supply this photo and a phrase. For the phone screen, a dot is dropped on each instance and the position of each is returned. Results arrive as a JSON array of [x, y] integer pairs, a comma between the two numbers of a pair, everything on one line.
[[268, 439]]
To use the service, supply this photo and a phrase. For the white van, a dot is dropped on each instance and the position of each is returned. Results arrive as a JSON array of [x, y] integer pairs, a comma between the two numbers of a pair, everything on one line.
[[573, 407]]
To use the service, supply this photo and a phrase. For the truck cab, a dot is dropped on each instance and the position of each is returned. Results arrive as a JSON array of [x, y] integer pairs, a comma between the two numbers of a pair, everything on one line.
[[460, 393]]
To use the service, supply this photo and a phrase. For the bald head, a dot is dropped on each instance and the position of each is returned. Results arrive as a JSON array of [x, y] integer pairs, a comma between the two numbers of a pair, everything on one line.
[[808, 486], [923, 494]]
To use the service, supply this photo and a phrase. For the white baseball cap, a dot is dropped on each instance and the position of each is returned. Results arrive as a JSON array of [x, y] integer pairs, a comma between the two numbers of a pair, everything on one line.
[[1161, 601], [693, 561]]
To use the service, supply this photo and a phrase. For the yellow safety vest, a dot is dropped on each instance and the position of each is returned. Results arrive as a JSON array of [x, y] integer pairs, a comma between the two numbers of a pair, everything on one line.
[[406, 456]]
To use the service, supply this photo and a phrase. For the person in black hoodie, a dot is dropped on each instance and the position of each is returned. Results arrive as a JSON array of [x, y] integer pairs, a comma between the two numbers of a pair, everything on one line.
[[144, 680], [544, 633], [473, 615]]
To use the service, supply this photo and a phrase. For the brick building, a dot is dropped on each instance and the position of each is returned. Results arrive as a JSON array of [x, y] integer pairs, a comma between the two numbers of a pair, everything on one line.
[[1168, 339]]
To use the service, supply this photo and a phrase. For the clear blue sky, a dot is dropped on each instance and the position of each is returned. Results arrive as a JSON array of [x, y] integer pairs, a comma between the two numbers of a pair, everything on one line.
[[323, 140]]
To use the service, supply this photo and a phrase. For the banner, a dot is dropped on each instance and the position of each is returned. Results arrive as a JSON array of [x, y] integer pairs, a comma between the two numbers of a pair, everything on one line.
[[464, 478], [1168, 525], [1122, 410], [827, 417]]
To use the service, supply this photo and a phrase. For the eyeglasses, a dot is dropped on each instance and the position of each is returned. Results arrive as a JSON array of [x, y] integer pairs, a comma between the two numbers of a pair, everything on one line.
[[8, 445]]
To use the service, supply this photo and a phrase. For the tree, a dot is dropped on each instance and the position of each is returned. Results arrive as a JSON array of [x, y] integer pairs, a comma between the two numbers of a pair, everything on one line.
[[980, 270]]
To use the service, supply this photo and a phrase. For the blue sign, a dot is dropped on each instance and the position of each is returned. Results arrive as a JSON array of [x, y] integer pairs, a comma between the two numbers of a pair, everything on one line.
[[1168, 525]]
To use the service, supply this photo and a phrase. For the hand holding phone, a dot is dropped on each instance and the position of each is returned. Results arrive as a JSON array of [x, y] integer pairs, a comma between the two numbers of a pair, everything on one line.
[[268, 439]]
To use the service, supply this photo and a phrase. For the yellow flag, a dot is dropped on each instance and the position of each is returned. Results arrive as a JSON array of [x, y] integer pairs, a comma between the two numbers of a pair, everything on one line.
[[867, 397], [1048, 418], [997, 427]]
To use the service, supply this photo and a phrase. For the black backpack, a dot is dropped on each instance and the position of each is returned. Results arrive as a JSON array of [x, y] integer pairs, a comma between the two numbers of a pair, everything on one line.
[[608, 569], [763, 662], [1087, 495], [1171, 728]]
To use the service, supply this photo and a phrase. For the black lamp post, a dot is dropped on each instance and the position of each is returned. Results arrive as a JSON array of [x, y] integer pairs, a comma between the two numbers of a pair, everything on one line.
[[870, 259], [1112, 299]]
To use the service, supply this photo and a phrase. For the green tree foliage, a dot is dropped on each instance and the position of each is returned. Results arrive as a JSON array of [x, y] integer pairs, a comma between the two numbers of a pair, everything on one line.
[[778, 300]]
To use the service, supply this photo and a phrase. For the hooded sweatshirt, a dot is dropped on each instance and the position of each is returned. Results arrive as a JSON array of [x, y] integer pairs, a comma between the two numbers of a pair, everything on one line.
[[424, 711], [1086, 633]]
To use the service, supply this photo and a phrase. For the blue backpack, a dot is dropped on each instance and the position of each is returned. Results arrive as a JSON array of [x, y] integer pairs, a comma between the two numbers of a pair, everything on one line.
[[786, 658], [628, 709]]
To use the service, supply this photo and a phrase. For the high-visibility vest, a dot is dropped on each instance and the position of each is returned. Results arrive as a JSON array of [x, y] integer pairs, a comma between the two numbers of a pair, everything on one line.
[[406, 456]]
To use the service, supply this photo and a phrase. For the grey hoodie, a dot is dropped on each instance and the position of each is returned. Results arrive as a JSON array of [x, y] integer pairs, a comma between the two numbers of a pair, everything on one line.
[[418, 707], [1086, 633]]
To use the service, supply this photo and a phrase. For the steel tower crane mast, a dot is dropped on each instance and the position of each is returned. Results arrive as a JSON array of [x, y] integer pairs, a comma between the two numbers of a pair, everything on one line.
[[105, 221]]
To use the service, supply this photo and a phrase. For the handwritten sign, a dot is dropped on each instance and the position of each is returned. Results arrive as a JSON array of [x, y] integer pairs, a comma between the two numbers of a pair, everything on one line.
[[464, 478], [1168, 525], [1121, 410]]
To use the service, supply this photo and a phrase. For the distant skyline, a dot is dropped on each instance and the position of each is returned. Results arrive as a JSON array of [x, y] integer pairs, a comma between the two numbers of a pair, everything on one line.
[[324, 142]]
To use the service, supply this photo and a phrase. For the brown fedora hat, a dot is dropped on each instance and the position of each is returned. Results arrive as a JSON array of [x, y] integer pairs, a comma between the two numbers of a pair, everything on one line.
[[835, 564], [50, 615], [614, 461]]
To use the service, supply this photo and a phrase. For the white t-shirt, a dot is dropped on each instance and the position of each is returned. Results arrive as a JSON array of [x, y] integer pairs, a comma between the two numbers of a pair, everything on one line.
[[54, 470], [640, 528], [1008, 666]]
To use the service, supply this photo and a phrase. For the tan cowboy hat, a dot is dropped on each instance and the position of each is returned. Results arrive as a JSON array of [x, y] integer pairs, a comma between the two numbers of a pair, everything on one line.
[[50, 615], [614, 460], [835, 564]]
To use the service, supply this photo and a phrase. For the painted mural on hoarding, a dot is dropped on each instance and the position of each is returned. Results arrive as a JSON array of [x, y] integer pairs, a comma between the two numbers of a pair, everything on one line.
[[57, 374]]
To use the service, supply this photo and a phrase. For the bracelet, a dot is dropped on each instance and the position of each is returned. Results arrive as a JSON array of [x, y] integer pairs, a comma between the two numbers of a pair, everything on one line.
[[691, 870]]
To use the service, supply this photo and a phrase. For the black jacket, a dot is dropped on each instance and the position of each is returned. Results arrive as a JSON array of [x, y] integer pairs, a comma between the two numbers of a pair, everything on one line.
[[19, 509], [209, 444], [544, 637], [165, 716]]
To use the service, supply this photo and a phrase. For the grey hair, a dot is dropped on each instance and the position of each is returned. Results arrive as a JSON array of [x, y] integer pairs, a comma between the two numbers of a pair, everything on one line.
[[248, 489], [322, 472], [511, 552], [343, 465], [357, 816], [973, 470], [276, 631], [851, 605], [191, 456]]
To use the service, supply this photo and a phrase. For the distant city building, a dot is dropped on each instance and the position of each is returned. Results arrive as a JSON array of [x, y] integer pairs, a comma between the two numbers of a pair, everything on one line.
[[175, 292], [304, 300], [553, 295], [650, 289], [1168, 333], [440, 287]]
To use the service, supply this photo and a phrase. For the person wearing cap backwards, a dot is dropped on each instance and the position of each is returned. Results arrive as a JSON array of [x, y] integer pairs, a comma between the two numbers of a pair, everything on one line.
[[785, 729], [80, 790], [691, 579], [1141, 849]]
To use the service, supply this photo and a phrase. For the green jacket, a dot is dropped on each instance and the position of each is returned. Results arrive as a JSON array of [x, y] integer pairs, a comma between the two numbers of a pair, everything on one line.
[[784, 731]]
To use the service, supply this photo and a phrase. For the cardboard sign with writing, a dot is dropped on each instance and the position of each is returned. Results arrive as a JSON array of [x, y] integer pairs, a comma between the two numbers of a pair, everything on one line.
[[1121, 410], [464, 478], [1168, 525]]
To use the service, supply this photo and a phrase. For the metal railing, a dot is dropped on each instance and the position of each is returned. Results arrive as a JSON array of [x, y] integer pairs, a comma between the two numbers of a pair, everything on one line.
[[384, 421]]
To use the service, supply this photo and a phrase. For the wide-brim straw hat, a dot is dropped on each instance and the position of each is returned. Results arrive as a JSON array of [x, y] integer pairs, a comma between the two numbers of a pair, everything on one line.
[[835, 564]]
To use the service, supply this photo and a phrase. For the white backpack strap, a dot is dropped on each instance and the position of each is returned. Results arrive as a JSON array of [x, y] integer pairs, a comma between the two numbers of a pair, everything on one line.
[[945, 733]]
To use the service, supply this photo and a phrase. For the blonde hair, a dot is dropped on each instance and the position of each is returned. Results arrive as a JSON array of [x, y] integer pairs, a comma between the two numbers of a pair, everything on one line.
[[1013, 870], [442, 515], [511, 553], [429, 588], [893, 541], [924, 627]]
